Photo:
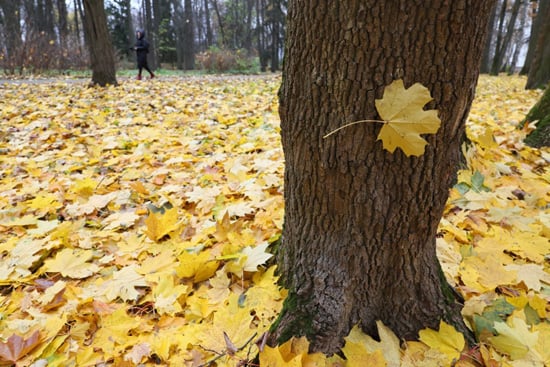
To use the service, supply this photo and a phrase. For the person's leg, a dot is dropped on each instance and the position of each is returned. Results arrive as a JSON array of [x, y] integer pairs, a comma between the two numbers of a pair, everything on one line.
[[149, 70], [140, 68]]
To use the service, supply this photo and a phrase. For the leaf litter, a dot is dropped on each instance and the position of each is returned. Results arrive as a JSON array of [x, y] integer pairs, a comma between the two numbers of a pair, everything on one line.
[[136, 225]]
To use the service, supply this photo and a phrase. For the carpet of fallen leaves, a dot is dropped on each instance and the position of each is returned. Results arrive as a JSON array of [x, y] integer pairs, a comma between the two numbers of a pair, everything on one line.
[[135, 225]]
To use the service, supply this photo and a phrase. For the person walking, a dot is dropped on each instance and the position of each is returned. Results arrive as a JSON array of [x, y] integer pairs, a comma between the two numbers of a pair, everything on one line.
[[142, 49]]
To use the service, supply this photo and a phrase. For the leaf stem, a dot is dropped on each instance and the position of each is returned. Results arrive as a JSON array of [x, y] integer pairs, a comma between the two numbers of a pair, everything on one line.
[[350, 124]]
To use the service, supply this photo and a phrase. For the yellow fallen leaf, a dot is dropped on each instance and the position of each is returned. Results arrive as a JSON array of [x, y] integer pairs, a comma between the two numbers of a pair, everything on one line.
[[72, 263], [447, 340], [515, 340], [272, 357], [388, 344], [160, 224], [357, 355]]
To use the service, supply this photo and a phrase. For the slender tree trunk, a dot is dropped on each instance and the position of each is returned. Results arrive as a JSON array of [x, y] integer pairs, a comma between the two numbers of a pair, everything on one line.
[[209, 37], [149, 30], [179, 17], [488, 48], [12, 26], [49, 19], [249, 32], [260, 30], [154, 38], [536, 23], [518, 38], [220, 23], [276, 16], [504, 37], [78, 14], [539, 71], [102, 55], [189, 37], [360, 223], [62, 15], [128, 25]]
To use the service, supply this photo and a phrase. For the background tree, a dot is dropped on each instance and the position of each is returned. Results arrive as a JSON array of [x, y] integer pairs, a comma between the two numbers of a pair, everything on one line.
[[11, 24], [485, 66], [539, 69], [188, 37], [536, 23], [119, 20], [506, 26], [102, 56], [276, 18], [360, 222]]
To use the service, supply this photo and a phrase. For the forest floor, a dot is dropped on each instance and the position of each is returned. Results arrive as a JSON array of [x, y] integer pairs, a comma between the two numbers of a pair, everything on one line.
[[136, 225]]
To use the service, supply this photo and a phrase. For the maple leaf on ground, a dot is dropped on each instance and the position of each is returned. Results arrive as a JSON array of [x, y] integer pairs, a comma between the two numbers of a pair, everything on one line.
[[166, 293], [161, 224], [119, 220], [138, 352], [447, 340], [515, 340], [233, 320], [293, 352], [115, 328], [123, 284], [71, 263], [530, 274], [16, 347], [205, 198], [95, 202], [255, 256], [389, 343]]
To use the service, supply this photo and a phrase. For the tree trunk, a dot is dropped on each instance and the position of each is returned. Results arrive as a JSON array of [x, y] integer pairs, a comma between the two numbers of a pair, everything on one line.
[[485, 67], [504, 37], [263, 53], [223, 41], [78, 14], [12, 25], [536, 24], [539, 71], [209, 37], [276, 18], [518, 38], [49, 19], [360, 223], [102, 55], [540, 137], [63, 16], [188, 37]]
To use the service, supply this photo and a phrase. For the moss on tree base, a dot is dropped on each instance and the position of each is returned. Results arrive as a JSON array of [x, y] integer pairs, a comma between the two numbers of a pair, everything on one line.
[[540, 137]]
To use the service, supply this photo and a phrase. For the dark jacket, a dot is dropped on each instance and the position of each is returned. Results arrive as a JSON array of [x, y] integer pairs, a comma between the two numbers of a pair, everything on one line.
[[142, 49]]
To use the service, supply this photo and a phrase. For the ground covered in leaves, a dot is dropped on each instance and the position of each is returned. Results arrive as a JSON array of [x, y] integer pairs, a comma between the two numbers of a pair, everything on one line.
[[136, 225]]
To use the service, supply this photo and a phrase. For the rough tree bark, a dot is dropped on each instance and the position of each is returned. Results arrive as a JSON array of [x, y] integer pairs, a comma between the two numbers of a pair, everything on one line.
[[102, 56], [360, 223], [536, 24], [540, 137], [539, 70]]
